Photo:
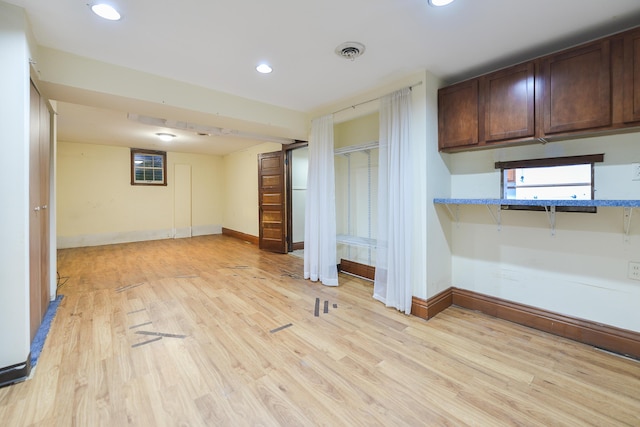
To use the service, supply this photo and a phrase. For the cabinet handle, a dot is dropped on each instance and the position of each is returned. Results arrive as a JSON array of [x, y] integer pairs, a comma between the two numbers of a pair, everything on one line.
[[36, 209], [44, 207]]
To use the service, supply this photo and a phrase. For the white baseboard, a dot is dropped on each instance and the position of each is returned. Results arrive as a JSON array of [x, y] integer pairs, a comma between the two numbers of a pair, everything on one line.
[[65, 242], [181, 233]]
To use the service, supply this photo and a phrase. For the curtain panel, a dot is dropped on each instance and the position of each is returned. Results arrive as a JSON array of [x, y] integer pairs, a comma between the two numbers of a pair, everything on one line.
[[320, 251], [392, 284]]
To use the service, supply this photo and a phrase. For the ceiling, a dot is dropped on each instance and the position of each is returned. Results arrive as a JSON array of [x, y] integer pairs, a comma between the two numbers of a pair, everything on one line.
[[216, 44]]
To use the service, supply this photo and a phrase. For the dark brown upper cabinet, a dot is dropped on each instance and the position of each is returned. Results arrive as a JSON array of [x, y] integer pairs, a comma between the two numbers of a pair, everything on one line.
[[458, 115], [507, 104], [586, 90], [631, 91], [577, 89]]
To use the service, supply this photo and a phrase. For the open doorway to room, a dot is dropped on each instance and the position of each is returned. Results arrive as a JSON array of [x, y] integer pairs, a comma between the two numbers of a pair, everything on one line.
[[282, 185], [297, 163]]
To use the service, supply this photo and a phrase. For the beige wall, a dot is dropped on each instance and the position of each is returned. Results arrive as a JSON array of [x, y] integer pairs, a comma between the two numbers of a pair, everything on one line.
[[580, 271], [240, 211], [357, 131], [96, 204]]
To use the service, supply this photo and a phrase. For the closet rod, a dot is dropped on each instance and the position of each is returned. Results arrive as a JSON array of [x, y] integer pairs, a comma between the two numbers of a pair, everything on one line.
[[373, 99]]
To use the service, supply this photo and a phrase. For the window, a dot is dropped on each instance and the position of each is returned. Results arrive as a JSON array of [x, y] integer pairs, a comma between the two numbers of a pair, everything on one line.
[[148, 167], [559, 178]]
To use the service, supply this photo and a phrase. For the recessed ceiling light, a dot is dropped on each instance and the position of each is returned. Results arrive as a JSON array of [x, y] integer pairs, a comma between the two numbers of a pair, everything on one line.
[[105, 11], [164, 136], [439, 2], [264, 69]]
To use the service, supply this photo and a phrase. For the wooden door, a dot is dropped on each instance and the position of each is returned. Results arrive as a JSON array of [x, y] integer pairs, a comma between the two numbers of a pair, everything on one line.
[[577, 89], [35, 287], [458, 115], [508, 103], [271, 200], [45, 211]]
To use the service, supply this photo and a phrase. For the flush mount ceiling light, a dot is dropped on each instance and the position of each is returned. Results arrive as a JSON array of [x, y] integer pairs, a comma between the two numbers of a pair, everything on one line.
[[105, 11], [350, 50], [164, 136], [439, 2], [264, 68]]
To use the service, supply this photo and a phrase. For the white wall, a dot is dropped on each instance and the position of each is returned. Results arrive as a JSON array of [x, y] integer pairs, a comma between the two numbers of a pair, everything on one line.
[[582, 270], [434, 180], [14, 190]]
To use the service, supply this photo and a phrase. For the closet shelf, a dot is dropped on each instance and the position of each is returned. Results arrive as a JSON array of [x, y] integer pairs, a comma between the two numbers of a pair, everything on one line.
[[356, 241], [549, 207]]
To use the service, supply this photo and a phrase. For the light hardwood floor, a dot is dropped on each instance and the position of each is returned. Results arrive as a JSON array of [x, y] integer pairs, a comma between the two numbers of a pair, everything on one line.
[[185, 332]]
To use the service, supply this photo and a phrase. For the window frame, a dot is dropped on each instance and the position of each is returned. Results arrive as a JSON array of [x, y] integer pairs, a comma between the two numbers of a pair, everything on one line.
[[134, 152], [590, 159]]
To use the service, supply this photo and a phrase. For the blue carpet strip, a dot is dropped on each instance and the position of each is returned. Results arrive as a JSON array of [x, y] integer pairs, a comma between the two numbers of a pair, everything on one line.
[[43, 330]]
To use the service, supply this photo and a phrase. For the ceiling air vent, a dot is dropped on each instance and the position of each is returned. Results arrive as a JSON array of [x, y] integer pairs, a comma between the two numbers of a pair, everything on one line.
[[350, 50]]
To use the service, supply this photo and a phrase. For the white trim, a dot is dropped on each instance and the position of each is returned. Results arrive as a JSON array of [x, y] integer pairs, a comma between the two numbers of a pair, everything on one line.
[[65, 242], [182, 232]]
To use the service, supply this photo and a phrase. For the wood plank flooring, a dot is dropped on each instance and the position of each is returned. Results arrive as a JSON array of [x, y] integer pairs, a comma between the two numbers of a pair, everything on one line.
[[183, 332]]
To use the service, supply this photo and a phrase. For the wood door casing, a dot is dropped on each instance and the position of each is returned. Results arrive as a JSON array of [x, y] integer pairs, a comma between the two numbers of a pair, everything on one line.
[[271, 200], [290, 204]]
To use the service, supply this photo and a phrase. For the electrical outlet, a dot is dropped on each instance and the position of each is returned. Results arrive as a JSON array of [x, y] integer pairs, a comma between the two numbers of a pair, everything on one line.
[[634, 270], [635, 173]]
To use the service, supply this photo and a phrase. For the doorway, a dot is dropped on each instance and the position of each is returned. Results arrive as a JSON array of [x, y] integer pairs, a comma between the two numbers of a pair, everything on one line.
[[297, 164], [282, 186]]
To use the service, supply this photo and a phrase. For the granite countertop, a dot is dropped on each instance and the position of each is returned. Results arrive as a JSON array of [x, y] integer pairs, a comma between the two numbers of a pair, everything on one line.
[[622, 203]]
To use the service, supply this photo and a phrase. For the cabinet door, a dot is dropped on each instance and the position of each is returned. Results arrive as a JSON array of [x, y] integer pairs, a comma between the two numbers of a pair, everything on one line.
[[508, 103], [577, 92], [458, 115], [631, 107]]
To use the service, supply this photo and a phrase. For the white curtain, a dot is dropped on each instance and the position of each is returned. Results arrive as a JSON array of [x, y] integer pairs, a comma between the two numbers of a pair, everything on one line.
[[320, 211], [392, 283]]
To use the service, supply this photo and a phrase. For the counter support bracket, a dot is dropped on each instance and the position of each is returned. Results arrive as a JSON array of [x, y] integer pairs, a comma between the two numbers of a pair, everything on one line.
[[455, 215], [627, 222], [496, 215], [551, 216]]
